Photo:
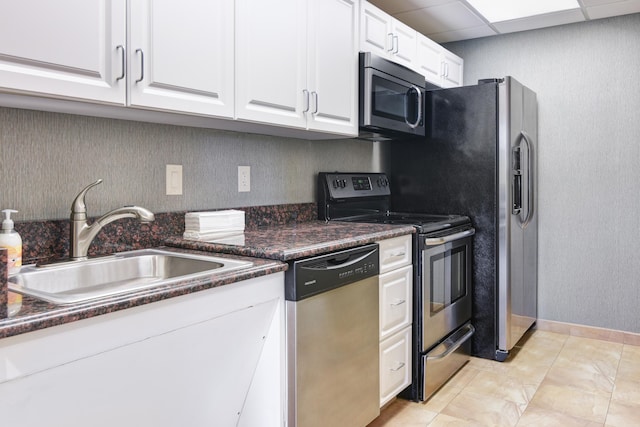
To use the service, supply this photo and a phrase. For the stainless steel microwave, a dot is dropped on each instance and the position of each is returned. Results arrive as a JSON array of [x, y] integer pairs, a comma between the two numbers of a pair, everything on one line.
[[391, 101]]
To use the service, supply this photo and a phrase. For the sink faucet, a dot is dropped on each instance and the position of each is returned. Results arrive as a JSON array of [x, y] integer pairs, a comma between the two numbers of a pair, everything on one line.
[[81, 235]]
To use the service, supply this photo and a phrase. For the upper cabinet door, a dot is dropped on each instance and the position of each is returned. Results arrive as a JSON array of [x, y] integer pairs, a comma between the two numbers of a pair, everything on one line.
[[404, 44], [375, 30], [72, 49], [333, 66], [385, 36], [271, 61], [181, 56], [453, 66], [428, 59]]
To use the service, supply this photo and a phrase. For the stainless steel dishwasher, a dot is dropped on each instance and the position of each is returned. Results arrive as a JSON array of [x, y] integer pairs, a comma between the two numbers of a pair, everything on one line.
[[332, 339]]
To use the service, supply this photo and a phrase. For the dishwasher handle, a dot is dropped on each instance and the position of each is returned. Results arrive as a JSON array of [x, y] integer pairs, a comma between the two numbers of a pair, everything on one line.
[[339, 262]]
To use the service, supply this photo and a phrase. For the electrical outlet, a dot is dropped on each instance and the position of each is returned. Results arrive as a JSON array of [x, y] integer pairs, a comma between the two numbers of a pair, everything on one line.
[[174, 180], [244, 179]]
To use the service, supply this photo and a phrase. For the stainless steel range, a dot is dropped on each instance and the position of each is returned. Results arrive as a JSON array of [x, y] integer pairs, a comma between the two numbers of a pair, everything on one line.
[[442, 257]]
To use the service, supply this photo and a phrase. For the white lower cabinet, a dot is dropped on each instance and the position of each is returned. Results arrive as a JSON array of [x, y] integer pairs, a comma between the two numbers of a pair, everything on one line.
[[395, 364], [395, 300], [210, 358], [396, 314]]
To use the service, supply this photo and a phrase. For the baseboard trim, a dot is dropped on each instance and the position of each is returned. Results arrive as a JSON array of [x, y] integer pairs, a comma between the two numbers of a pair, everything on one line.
[[584, 331]]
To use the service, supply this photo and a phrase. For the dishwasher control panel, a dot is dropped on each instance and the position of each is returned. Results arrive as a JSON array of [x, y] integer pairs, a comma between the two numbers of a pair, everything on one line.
[[312, 276]]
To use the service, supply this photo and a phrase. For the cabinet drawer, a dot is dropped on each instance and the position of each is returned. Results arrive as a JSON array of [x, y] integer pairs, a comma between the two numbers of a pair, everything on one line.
[[395, 365], [395, 253], [396, 300]]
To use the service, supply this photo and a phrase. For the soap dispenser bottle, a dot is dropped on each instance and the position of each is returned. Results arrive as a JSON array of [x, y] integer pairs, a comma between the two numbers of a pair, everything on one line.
[[11, 240]]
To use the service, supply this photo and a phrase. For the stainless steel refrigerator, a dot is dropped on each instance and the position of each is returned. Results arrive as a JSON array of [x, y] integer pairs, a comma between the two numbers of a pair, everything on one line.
[[479, 159]]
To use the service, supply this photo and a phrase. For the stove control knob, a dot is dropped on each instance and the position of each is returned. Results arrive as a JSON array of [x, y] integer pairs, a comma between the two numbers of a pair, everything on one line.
[[339, 183], [383, 182]]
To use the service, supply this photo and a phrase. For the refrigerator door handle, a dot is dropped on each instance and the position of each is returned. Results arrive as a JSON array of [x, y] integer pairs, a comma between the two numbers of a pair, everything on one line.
[[516, 185], [529, 173]]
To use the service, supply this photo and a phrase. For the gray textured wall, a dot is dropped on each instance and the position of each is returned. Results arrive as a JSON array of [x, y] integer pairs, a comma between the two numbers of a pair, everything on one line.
[[47, 158], [587, 80]]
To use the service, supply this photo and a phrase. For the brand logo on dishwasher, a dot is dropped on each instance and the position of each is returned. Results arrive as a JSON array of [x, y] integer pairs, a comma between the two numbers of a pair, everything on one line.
[[310, 282]]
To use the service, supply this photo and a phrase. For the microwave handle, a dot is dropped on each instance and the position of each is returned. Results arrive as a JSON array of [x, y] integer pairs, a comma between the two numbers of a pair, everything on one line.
[[406, 119]]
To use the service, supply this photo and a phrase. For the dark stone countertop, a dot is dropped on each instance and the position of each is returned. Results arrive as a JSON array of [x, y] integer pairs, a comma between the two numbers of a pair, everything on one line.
[[36, 314], [269, 247], [294, 241]]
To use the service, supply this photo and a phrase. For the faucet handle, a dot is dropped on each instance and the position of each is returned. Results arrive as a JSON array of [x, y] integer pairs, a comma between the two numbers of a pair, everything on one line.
[[78, 207]]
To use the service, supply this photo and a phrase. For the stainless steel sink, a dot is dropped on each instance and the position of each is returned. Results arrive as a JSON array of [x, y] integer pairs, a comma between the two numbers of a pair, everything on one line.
[[78, 281]]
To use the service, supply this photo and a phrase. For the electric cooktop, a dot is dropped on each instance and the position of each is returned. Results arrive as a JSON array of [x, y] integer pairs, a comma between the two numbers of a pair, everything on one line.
[[365, 198]]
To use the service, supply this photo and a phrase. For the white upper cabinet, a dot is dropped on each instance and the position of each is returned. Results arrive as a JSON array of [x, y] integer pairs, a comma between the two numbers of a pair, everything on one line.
[[296, 63], [429, 60], [271, 62], [72, 49], [453, 67], [332, 73], [386, 36], [181, 56], [437, 64], [375, 30], [404, 44]]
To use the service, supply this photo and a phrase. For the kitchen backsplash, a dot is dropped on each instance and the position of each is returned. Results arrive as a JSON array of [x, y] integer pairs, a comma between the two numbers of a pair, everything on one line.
[[47, 158], [49, 240]]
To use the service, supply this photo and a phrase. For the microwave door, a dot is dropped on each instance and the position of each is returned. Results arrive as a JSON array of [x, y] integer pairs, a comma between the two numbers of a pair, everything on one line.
[[391, 103]]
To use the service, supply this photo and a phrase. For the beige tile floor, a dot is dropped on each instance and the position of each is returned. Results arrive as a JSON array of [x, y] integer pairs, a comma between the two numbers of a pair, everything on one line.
[[550, 379]]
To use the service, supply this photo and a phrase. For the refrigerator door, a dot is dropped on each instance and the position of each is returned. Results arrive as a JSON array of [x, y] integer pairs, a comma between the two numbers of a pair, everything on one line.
[[455, 171], [517, 228]]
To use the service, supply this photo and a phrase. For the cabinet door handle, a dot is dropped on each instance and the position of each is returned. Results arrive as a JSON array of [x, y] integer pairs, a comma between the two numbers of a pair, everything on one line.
[[123, 62], [315, 102], [446, 69], [397, 368], [390, 40], [398, 302], [397, 254], [397, 44], [139, 51], [305, 93]]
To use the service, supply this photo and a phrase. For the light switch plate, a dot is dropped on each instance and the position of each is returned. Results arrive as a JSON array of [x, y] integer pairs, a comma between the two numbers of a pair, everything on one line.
[[174, 180], [244, 179]]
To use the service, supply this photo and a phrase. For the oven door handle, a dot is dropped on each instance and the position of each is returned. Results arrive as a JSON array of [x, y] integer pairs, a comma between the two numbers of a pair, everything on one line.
[[434, 241], [454, 342]]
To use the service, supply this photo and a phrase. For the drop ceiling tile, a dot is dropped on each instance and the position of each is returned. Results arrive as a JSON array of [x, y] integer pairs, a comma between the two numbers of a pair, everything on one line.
[[614, 9], [464, 34], [540, 21], [398, 6], [441, 18]]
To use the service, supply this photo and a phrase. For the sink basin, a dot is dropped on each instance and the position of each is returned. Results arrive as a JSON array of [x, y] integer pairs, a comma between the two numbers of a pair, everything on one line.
[[73, 282]]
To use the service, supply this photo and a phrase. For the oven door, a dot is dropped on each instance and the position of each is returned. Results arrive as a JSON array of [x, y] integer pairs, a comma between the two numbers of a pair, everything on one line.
[[446, 285], [390, 104]]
